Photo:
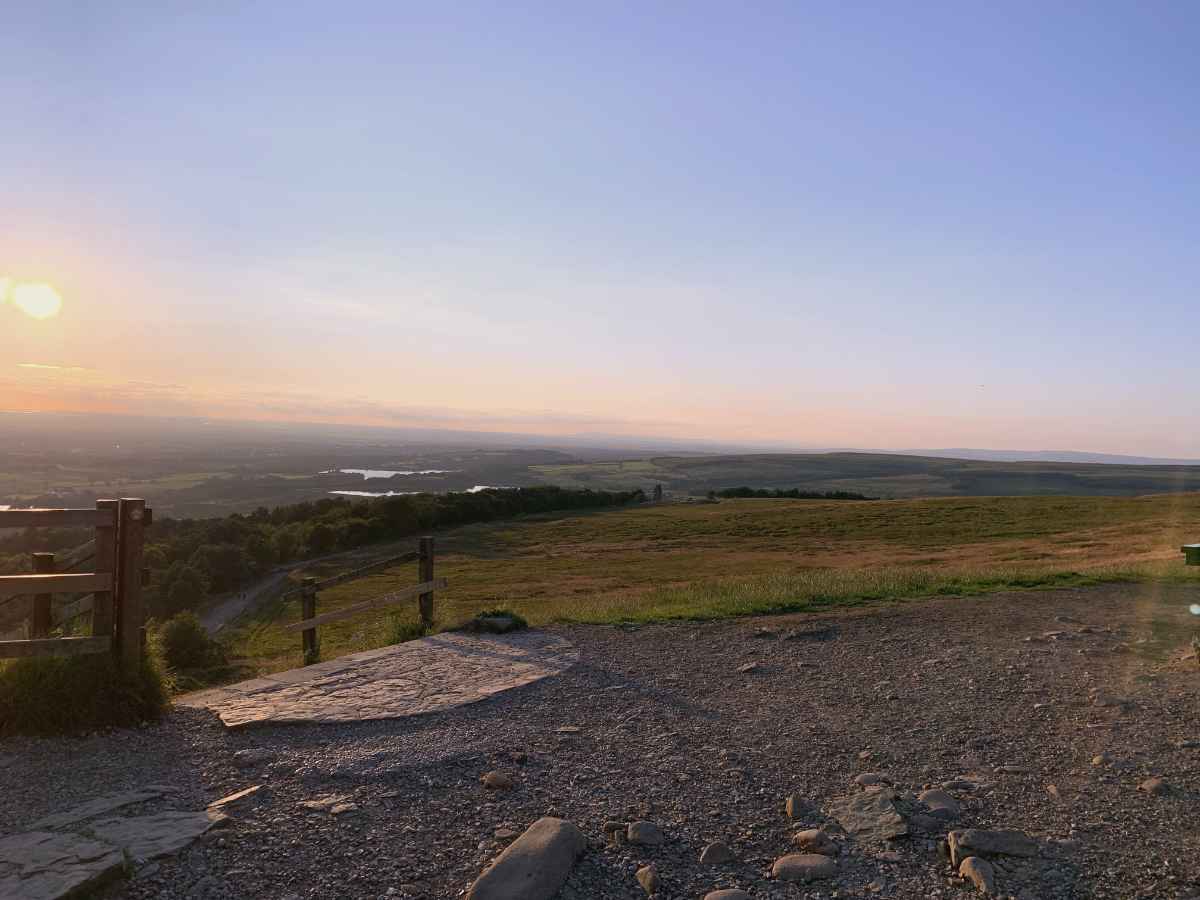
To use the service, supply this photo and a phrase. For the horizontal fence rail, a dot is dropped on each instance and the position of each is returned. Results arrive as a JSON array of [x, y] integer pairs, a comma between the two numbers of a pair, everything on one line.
[[383, 602], [335, 580], [68, 583]]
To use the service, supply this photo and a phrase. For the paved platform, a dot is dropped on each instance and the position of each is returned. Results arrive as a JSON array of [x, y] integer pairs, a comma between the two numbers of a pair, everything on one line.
[[422, 676]]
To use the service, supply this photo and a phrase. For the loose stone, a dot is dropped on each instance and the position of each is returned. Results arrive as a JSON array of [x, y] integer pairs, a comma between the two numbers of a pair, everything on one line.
[[804, 867], [980, 842], [980, 873], [647, 877], [867, 779], [814, 840], [496, 780], [1154, 786], [715, 854], [871, 815], [646, 833], [534, 866]]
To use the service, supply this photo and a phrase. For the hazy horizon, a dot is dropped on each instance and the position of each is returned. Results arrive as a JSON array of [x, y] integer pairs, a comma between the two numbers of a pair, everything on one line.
[[952, 225]]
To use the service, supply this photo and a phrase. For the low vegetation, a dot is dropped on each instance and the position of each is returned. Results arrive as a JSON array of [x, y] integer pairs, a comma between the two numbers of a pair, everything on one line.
[[78, 694], [191, 559], [749, 556], [786, 494]]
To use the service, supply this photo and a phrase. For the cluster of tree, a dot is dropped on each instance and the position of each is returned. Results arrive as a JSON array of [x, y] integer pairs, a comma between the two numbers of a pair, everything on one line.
[[790, 494], [192, 558], [15, 546]]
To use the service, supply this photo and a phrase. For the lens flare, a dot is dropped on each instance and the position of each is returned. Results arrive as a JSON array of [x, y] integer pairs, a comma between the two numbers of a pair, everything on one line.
[[4, 284], [1194, 609], [38, 300]]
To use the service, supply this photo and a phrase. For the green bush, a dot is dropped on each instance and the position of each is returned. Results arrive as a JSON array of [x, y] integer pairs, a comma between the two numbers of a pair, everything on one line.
[[77, 694], [186, 646]]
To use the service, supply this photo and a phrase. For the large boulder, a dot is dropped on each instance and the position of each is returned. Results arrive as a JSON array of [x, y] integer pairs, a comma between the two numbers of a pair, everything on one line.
[[534, 866]]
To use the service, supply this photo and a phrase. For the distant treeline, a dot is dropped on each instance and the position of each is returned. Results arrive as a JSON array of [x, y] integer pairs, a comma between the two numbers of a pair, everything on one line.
[[790, 494], [192, 558]]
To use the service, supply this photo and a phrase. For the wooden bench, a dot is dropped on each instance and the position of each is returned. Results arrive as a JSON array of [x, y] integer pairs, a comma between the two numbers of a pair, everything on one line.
[[1191, 554]]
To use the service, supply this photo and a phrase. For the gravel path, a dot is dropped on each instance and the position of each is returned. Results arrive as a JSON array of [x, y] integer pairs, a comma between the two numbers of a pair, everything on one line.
[[705, 730]]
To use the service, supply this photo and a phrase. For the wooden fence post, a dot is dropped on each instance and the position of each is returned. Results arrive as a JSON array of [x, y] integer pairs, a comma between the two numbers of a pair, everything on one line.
[[39, 625], [106, 561], [308, 610], [130, 614], [425, 573]]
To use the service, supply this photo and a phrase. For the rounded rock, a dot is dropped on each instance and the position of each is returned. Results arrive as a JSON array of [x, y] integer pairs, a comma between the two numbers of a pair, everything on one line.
[[803, 867], [715, 854], [980, 873], [814, 840], [728, 894], [496, 780], [644, 833], [1154, 786], [647, 877], [870, 779]]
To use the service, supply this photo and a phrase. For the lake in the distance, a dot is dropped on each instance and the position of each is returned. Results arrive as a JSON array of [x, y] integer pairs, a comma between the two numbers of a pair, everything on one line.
[[387, 473], [471, 490]]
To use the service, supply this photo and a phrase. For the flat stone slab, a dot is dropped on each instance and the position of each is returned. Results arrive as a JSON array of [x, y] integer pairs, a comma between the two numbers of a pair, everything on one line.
[[871, 815], [45, 865], [99, 805], [422, 676], [160, 834]]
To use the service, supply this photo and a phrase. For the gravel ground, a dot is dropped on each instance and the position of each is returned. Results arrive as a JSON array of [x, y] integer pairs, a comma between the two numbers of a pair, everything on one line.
[[705, 730]]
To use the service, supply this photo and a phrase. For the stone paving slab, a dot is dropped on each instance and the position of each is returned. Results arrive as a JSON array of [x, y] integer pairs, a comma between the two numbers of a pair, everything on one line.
[[45, 865], [422, 676]]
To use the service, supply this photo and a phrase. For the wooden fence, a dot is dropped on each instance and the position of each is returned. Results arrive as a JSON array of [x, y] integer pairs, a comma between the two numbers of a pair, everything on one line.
[[423, 591], [118, 615]]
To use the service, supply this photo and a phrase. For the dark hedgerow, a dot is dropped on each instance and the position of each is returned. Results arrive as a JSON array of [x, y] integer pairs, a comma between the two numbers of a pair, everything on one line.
[[76, 694], [788, 494]]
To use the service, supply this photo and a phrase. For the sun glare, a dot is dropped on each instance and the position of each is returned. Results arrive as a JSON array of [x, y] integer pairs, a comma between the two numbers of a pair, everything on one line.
[[4, 283], [38, 300]]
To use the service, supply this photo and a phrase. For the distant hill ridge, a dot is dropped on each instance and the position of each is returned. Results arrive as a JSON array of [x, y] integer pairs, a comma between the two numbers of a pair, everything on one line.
[[886, 475]]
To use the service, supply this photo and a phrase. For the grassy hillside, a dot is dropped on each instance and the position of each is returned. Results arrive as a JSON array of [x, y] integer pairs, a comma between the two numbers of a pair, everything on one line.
[[875, 474], [752, 556]]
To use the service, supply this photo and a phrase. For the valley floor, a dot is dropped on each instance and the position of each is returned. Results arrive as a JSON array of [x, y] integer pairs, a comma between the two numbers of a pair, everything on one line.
[[704, 730]]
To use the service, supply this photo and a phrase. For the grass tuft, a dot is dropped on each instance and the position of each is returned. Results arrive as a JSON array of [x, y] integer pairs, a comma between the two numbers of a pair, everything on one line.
[[401, 630], [77, 694]]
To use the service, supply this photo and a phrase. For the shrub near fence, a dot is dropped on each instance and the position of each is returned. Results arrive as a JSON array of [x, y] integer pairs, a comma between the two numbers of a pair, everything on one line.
[[56, 684]]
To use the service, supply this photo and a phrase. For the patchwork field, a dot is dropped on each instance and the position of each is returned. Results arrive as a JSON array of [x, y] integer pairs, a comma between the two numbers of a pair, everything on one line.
[[740, 557]]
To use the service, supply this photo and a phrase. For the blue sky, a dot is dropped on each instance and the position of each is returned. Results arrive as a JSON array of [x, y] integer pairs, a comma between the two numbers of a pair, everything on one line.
[[885, 225]]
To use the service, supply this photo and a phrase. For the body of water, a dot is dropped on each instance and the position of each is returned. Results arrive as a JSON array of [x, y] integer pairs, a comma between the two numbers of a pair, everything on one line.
[[376, 493], [471, 490], [387, 473]]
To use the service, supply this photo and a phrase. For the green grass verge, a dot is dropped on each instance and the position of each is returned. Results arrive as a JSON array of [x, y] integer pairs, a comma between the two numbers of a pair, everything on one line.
[[77, 694]]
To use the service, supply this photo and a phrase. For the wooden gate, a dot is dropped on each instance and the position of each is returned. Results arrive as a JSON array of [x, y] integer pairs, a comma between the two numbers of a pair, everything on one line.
[[118, 614]]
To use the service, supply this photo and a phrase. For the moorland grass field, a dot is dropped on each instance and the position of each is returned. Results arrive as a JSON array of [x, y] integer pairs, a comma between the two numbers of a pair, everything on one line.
[[744, 557]]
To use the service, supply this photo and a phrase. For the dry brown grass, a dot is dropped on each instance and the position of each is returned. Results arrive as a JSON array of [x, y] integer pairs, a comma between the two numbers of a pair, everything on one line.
[[752, 556]]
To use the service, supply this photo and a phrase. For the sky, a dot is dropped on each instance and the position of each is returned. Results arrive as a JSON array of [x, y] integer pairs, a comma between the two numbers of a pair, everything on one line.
[[884, 225]]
